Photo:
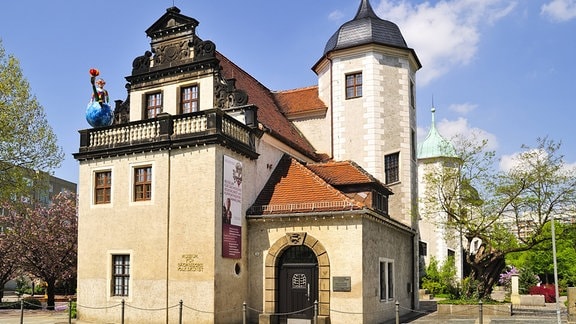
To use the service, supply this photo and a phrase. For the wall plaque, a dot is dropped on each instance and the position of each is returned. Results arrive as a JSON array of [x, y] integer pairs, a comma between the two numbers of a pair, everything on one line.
[[341, 284], [188, 263]]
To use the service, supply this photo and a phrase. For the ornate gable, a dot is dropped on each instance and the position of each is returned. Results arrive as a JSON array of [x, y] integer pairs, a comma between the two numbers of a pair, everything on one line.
[[173, 36], [172, 24]]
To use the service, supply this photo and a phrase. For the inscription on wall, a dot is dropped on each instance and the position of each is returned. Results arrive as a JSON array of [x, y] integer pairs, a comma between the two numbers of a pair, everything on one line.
[[341, 284], [188, 263]]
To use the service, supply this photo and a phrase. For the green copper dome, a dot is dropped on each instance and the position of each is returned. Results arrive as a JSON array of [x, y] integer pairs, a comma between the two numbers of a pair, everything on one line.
[[435, 146]]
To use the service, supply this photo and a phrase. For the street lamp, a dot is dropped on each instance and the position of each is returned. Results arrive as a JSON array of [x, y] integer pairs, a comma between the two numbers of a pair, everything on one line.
[[555, 272]]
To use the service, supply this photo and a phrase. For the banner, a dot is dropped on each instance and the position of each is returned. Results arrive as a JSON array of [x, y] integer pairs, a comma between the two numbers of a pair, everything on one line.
[[232, 208]]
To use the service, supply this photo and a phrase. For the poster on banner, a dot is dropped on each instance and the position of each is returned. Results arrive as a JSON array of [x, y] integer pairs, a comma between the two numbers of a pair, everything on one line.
[[232, 208]]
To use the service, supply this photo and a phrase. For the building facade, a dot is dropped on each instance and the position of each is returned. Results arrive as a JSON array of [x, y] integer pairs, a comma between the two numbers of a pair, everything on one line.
[[212, 190]]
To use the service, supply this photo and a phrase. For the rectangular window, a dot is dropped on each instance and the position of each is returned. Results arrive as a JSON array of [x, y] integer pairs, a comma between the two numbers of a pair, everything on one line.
[[153, 104], [414, 145], [452, 256], [392, 167], [354, 85], [386, 280], [103, 186], [189, 99], [412, 96], [143, 183], [120, 275], [423, 248], [380, 202]]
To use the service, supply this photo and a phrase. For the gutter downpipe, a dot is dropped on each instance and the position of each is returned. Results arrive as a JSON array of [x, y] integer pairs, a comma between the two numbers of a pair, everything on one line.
[[168, 235], [331, 106]]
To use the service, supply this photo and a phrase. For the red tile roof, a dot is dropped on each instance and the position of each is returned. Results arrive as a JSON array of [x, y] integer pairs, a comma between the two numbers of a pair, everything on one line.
[[293, 188], [269, 113], [300, 102], [341, 173]]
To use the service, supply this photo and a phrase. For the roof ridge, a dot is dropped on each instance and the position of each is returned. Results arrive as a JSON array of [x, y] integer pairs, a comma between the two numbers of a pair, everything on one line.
[[295, 89]]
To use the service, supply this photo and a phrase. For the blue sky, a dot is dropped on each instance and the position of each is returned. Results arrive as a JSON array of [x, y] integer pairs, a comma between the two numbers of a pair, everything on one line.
[[500, 68]]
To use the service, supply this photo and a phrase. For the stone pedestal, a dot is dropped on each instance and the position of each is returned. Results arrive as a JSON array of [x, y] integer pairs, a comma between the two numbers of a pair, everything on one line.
[[571, 304], [515, 295]]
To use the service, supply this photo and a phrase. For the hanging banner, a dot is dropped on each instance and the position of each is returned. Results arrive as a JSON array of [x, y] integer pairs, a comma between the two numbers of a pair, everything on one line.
[[232, 208]]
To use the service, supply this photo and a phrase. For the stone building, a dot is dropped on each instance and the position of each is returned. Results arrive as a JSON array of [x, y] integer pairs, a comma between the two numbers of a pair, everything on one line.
[[213, 190]]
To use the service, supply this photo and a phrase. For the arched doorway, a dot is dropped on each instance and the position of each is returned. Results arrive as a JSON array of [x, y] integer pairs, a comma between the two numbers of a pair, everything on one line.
[[297, 282]]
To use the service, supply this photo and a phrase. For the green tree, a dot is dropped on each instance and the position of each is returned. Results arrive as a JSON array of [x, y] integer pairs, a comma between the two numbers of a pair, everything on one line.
[[539, 260], [507, 210], [28, 147]]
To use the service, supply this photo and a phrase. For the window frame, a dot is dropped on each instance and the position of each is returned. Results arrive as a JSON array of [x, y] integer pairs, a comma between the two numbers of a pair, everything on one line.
[[106, 188], [120, 279], [387, 280], [392, 172], [355, 87], [152, 110], [141, 187], [194, 101]]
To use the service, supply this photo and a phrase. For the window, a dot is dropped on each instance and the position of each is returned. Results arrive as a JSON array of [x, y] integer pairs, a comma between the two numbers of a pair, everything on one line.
[[153, 104], [143, 183], [380, 202], [189, 99], [451, 256], [120, 275], [386, 280], [412, 96], [392, 167], [413, 145], [103, 187], [423, 247], [354, 85]]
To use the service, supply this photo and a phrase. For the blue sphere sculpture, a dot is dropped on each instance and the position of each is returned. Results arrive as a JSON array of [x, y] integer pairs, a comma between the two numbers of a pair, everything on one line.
[[99, 116]]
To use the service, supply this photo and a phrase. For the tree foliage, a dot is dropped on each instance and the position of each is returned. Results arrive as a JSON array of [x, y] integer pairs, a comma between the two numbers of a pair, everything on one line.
[[45, 239], [540, 259], [27, 142], [506, 209]]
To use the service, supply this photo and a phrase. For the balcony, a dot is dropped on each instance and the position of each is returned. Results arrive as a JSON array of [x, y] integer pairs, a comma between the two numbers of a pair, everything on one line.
[[207, 127]]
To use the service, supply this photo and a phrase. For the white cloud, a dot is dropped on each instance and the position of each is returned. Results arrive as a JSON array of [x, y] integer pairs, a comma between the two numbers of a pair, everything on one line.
[[335, 15], [559, 10], [451, 129], [463, 109], [445, 33], [507, 162]]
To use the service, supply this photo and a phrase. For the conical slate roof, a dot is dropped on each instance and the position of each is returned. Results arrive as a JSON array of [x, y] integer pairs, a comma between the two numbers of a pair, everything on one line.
[[435, 146], [366, 28]]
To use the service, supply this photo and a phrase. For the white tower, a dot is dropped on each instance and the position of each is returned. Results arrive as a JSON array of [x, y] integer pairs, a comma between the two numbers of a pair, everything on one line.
[[367, 77]]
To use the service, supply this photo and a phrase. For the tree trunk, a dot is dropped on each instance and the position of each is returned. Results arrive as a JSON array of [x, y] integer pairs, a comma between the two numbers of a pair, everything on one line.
[[486, 269], [51, 293]]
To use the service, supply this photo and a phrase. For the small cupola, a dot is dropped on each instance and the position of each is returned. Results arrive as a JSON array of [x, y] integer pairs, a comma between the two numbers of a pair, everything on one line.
[[435, 146]]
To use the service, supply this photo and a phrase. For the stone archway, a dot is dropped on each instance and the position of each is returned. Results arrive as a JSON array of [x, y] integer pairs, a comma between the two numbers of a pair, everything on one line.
[[270, 282]]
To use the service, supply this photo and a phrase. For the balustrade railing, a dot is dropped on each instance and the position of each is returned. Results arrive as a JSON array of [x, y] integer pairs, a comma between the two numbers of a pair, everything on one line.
[[165, 128]]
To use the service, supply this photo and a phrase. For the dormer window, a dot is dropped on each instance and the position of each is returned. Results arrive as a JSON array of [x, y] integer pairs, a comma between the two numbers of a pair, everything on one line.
[[153, 104], [354, 85], [380, 202], [189, 101]]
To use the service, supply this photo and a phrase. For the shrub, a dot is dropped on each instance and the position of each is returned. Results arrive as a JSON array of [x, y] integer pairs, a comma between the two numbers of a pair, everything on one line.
[[548, 291]]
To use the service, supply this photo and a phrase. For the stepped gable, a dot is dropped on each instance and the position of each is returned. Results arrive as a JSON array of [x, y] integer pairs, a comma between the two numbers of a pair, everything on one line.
[[269, 113], [293, 188], [301, 102]]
